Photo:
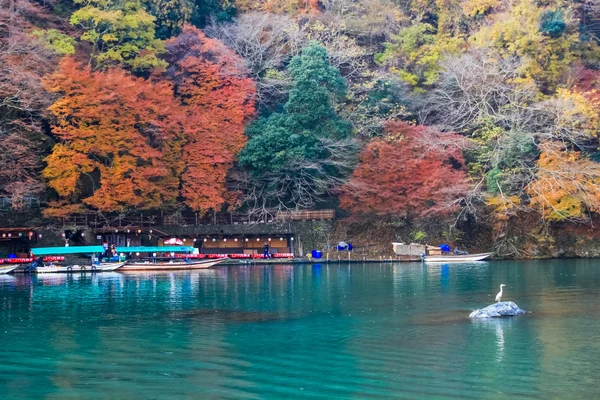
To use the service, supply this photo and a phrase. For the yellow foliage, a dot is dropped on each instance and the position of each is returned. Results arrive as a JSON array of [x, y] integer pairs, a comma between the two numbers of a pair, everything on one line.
[[581, 113], [479, 7], [566, 184], [450, 16], [503, 206], [416, 51], [516, 32]]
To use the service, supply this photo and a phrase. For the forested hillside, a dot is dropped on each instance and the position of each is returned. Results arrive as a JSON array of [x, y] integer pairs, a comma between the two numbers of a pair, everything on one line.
[[456, 111]]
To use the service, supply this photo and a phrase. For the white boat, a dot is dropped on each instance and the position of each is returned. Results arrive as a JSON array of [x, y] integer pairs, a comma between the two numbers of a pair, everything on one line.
[[79, 268], [172, 265], [455, 258], [9, 268], [59, 251]]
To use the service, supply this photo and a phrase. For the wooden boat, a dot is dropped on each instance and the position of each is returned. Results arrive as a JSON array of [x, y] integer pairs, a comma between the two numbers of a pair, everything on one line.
[[105, 267], [9, 268], [171, 265], [455, 258]]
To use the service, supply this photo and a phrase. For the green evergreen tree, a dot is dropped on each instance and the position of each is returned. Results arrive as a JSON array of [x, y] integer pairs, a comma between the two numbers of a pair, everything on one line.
[[552, 23], [305, 148]]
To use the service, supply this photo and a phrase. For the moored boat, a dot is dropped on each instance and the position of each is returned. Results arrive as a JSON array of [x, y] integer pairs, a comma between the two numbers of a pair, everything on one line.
[[171, 265], [43, 268], [165, 258], [105, 267], [455, 258], [9, 268], [436, 254]]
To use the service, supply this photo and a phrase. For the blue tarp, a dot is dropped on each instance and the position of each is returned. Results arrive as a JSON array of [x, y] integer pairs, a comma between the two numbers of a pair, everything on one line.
[[60, 251], [342, 246], [156, 249]]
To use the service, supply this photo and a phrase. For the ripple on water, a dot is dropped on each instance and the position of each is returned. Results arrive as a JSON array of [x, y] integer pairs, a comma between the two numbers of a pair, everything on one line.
[[384, 331]]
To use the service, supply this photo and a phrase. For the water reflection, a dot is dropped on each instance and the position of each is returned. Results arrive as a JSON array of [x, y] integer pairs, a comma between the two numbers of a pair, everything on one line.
[[497, 326], [333, 330]]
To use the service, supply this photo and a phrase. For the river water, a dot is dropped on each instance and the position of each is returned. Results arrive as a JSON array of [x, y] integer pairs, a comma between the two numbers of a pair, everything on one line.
[[311, 331]]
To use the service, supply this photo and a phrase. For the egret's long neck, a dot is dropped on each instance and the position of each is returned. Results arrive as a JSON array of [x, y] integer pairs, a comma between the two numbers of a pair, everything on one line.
[[501, 289]]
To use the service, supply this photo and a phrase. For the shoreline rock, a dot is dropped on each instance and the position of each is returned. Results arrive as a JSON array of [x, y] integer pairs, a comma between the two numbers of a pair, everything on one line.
[[498, 310]]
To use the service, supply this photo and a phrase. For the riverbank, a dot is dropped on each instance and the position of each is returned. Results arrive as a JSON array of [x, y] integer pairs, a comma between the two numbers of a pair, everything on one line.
[[371, 238], [314, 261], [327, 259]]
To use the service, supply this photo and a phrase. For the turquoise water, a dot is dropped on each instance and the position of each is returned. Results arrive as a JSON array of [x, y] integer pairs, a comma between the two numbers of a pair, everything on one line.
[[279, 331]]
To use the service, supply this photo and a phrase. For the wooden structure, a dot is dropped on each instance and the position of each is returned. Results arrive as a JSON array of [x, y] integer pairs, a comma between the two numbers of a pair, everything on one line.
[[141, 221], [412, 249], [238, 244], [18, 240], [416, 250]]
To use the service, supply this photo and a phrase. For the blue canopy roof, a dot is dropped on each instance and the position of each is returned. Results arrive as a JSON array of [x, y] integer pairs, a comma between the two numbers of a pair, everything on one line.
[[59, 251], [155, 249]]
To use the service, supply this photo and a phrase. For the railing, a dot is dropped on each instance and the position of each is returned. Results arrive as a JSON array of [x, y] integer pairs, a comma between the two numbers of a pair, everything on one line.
[[307, 215], [190, 219]]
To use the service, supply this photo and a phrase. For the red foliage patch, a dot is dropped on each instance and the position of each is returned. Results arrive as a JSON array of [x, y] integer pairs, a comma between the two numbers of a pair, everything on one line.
[[414, 171]]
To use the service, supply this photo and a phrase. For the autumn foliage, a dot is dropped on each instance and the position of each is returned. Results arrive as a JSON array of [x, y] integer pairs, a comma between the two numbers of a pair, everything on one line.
[[116, 133], [131, 143], [210, 82], [566, 185], [414, 171], [148, 112]]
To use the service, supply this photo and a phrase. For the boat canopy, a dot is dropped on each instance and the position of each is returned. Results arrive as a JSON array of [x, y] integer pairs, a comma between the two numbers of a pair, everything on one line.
[[156, 249], [44, 251]]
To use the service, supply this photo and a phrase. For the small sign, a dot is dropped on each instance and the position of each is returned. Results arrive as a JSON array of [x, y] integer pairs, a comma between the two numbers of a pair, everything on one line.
[[99, 237]]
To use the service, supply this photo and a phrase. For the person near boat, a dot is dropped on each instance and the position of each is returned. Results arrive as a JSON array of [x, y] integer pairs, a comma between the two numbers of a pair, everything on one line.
[[38, 263]]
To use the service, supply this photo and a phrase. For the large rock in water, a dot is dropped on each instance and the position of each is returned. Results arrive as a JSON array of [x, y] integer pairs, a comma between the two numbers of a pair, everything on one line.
[[497, 310]]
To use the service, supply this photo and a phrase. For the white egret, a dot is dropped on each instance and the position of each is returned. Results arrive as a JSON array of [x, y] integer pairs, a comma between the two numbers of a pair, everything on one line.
[[499, 295]]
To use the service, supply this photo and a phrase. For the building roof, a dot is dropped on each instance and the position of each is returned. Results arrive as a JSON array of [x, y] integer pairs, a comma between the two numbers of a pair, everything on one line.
[[44, 251]]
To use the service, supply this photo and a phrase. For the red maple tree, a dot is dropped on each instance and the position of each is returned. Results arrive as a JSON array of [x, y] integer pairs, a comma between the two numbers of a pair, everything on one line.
[[133, 143], [211, 82], [117, 137], [413, 171]]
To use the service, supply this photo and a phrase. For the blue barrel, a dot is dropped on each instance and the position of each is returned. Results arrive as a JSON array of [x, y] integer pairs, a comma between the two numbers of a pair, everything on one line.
[[316, 254]]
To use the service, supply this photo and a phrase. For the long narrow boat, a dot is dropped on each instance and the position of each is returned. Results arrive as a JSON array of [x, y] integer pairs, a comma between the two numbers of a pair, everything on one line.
[[106, 267], [452, 258], [163, 259], [9, 268], [172, 265]]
